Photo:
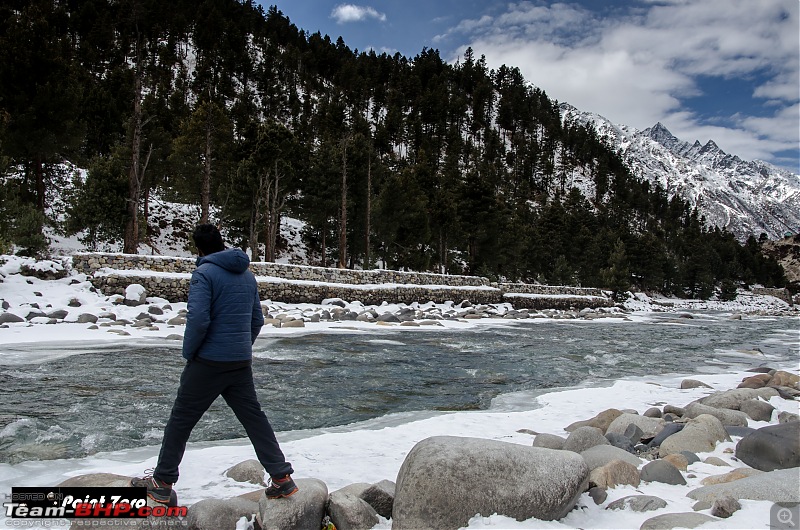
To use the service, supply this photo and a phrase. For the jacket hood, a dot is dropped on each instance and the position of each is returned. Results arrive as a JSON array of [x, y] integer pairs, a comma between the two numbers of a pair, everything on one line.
[[232, 259]]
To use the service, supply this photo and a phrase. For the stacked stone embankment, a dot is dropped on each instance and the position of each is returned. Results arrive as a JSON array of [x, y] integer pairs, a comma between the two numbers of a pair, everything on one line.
[[168, 277]]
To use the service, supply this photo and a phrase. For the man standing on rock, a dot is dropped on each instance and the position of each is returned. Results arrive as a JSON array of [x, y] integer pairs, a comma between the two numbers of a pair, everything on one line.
[[223, 320]]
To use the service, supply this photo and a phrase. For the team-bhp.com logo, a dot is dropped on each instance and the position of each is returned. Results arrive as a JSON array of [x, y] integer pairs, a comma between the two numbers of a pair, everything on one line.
[[89, 503]]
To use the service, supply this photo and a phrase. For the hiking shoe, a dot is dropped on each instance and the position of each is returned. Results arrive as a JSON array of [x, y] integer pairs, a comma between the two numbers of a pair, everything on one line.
[[157, 489], [281, 487]]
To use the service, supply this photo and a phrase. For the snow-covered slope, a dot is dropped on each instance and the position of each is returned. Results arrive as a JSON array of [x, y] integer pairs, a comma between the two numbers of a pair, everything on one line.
[[747, 198]]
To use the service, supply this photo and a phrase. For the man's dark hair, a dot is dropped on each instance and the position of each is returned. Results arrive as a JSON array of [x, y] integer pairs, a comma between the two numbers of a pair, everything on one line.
[[208, 239]]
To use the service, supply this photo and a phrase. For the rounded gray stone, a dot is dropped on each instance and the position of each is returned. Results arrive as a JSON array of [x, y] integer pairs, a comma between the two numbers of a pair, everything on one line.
[[549, 441], [7, 318], [620, 440], [725, 507], [677, 411], [668, 521], [691, 458], [584, 438], [786, 416], [732, 399], [215, 514], [700, 435], [653, 412], [248, 471], [650, 426], [757, 409], [638, 503], [602, 420], [693, 383], [303, 510], [381, 497], [601, 455], [350, 512], [662, 471], [58, 314], [598, 495], [726, 416], [445, 480], [772, 447]]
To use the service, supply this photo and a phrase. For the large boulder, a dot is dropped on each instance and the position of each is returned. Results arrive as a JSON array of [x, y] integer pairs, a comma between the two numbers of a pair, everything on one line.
[[602, 420], [350, 512], [216, 514], [583, 438], [601, 455], [700, 435], [302, 511], [782, 485], [650, 426], [446, 480], [772, 447], [726, 416]]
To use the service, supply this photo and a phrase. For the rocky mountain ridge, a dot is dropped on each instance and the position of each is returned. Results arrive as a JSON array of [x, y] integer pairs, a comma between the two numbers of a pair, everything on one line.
[[747, 198]]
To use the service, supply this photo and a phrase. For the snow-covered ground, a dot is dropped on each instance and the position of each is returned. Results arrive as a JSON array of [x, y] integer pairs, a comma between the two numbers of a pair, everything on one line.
[[373, 450]]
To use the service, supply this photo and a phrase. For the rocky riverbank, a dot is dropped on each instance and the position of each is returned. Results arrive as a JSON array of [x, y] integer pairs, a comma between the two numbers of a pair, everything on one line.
[[36, 295], [749, 434]]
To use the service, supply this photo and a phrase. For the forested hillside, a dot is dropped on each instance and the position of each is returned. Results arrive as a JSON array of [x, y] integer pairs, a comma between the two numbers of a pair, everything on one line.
[[412, 162]]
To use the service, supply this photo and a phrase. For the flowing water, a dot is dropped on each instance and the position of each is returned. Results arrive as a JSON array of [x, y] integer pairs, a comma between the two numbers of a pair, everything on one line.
[[64, 403]]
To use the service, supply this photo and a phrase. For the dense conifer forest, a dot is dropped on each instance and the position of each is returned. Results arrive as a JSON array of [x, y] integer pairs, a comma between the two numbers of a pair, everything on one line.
[[410, 163]]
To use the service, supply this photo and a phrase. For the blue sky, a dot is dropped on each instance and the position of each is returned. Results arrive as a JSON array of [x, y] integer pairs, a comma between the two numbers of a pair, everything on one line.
[[727, 70]]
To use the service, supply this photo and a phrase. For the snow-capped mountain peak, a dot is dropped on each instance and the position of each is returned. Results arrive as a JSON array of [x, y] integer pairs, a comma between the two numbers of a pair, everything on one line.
[[745, 197]]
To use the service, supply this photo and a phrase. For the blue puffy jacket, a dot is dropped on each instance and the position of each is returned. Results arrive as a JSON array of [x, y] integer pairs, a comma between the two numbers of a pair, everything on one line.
[[224, 316]]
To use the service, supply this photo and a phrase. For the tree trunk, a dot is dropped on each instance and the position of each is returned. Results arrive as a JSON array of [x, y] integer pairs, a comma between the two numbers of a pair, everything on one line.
[[324, 258], [442, 257], [343, 216], [131, 237], [38, 168], [369, 210], [252, 239], [274, 206], [205, 190]]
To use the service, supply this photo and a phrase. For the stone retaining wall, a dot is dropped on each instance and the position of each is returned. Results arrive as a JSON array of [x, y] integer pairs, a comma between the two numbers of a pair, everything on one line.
[[781, 294], [168, 277], [89, 263], [555, 290]]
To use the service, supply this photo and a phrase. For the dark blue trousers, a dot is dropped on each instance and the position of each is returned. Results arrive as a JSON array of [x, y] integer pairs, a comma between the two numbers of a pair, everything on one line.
[[200, 385]]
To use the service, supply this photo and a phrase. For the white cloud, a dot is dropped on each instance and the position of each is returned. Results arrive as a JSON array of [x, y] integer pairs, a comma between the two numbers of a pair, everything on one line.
[[641, 66], [344, 13]]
